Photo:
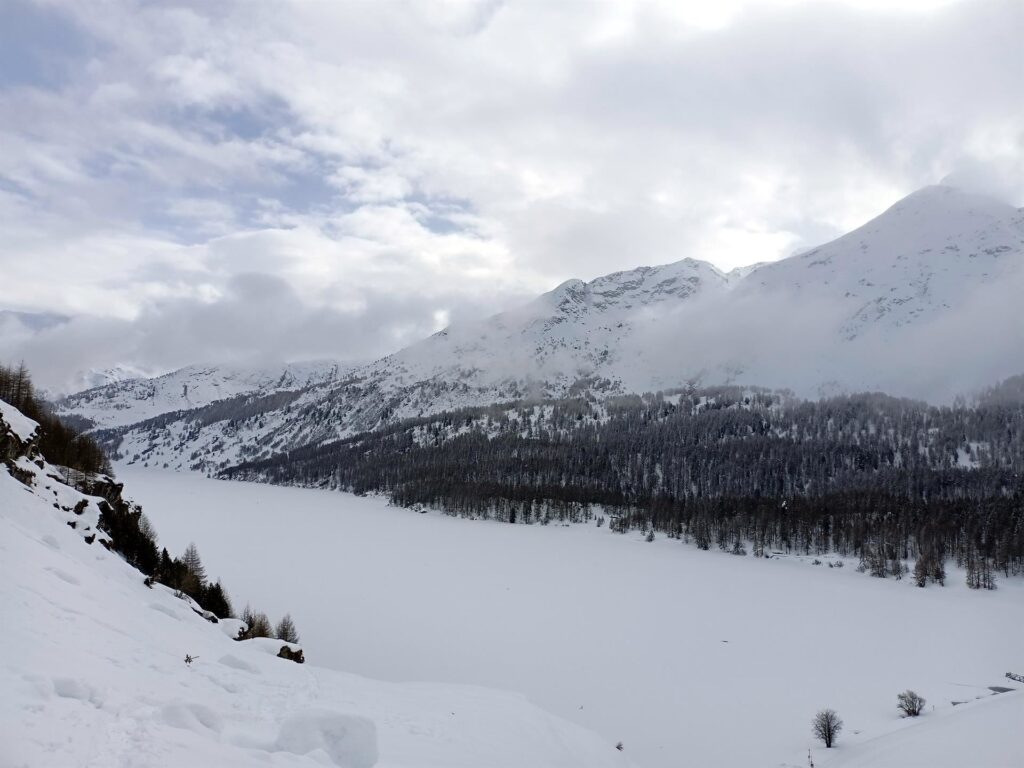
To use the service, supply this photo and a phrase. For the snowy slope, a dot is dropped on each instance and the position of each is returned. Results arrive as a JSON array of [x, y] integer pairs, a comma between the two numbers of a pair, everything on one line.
[[691, 658], [93, 674], [979, 733], [20, 425], [920, 258], [128, 401], [898, 305], [100, 377]]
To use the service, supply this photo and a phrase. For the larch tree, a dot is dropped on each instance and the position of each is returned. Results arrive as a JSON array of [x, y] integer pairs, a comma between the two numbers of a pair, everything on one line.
[[286, 630]]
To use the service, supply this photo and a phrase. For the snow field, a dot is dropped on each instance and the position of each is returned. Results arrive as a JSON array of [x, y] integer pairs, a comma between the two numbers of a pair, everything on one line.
[[686, 656], [93, 674]]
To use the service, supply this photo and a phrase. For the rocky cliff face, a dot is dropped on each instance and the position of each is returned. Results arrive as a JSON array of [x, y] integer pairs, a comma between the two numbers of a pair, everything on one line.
[[70, 493]]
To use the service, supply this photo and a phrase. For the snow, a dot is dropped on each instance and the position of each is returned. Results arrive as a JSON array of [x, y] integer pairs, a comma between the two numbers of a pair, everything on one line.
[[93, 674], [22, 426], [127, 401], [896, 305], [687, 657], [980, 734]]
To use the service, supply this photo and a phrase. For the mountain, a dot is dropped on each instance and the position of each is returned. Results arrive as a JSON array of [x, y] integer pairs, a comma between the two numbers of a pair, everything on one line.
[[127, 400], [920, 258], [94, 378], [896, 305], [101, 677]]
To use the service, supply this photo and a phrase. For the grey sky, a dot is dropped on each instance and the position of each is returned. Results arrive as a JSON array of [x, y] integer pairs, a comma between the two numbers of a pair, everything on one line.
[[268, 180]]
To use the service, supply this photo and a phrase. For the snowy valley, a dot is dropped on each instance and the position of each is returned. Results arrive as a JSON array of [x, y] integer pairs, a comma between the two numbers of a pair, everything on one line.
[[653, 645], [511, 384], [624, 600], [94, 670]]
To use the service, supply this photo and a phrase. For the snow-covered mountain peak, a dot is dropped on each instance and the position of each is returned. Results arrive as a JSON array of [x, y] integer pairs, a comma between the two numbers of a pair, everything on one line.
[[946, 198], [927, 254], [646, 285], [939, 223]]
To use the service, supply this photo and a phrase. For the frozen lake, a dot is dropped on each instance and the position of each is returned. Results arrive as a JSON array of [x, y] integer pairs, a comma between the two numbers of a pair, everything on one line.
[[687, 657]]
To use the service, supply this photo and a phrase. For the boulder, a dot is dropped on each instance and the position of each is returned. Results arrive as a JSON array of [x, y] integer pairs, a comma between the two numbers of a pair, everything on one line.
[[287, 653]]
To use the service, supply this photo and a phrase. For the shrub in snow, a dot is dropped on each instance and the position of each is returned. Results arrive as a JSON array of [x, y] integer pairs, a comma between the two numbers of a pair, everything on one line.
[[826, 726], [910, 703]]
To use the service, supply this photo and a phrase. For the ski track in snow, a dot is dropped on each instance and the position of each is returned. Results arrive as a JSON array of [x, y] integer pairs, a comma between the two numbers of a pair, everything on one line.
[[686, 656]]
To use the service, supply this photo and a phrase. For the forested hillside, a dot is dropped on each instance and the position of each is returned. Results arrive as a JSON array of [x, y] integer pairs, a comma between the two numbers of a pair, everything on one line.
[[59, 442], [877, 477]]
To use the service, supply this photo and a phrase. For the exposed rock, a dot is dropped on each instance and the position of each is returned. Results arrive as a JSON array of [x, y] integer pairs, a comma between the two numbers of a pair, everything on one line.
[[287, 653]]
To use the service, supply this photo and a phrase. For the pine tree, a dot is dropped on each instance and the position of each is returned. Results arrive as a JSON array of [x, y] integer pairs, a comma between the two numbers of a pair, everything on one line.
[[215, 599], [922, 570]]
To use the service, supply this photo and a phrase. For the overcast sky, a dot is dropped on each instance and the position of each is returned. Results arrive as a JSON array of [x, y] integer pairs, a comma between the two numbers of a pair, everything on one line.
[[265, 180]]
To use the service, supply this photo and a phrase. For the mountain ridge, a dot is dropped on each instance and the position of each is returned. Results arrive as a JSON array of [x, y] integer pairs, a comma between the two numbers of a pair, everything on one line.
[[895, 305]]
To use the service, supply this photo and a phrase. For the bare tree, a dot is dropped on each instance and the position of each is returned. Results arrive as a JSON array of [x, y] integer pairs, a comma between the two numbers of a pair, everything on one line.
[[910, 703], [826, 726], [286, 630]]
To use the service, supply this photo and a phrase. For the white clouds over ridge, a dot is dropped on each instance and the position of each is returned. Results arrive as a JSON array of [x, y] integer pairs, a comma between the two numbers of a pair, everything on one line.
[[435, 157]]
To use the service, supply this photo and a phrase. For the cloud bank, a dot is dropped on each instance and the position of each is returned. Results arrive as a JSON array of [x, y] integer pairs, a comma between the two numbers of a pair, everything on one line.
[[201, 181]]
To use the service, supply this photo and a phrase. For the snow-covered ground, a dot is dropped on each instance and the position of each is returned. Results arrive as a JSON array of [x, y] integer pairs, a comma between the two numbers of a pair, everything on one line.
[[93, 674], [688, 657]]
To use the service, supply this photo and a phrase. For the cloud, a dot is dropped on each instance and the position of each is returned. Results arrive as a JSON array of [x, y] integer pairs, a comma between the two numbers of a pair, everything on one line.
[[452, 156], [256, 319]]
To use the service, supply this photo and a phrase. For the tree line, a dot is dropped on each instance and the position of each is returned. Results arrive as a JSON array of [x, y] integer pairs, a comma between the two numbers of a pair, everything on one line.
[[875, 477], [60, 443]]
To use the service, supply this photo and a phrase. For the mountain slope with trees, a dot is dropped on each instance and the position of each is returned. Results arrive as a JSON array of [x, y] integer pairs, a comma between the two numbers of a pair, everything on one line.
[[898, 305], [880, 478]]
